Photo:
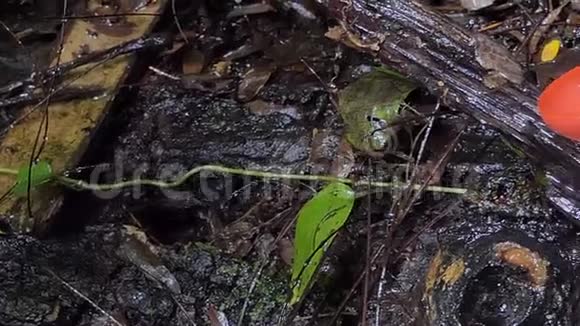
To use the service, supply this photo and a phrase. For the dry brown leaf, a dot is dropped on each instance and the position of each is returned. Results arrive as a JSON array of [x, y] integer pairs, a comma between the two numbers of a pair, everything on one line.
[[216, 318], [259, 107], [286, 251], [193, 61], [323, 148], [253, 81], [497, 59], [344, 162]]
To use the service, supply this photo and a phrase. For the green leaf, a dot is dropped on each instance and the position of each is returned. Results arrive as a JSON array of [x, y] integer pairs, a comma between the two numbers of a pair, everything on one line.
[[391, 72], [40, 173], [318, 221], [368, 105]]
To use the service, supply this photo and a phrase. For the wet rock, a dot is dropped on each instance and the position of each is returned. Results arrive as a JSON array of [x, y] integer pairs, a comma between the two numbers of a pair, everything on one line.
[[184, 128], [32, 273], [501, 257], [31, 293], [476, 4], [471, 281]]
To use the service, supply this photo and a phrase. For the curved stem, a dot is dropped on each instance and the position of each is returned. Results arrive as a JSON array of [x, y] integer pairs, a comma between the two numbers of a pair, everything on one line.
[[83, 185], [8, 171]]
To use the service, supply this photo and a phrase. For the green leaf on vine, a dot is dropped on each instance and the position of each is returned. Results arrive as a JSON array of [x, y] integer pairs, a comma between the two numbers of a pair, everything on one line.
[[318, 222], [40, 173]]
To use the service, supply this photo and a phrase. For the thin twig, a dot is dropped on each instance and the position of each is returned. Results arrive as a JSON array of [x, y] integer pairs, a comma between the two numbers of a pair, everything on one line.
[[130, 46], [177, 23], [250, 290], [44, 99], [354, 287], [379, 295], [84, 297], [121, 14], [163, 73], [524, 10], [83, 185], [368, 256], [427, 134], [327, 88], [406, 208], [12, 34], [263, 262], [543, 27], [43, 127], [67, 94], [8, 171], [182, 308], [136, 45], [382, 247]]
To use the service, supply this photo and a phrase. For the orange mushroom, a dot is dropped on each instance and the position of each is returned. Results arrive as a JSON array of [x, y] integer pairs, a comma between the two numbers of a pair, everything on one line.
[[559, 105]]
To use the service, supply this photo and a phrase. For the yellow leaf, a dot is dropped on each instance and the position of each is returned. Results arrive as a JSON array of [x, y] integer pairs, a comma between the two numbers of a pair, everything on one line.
[[550, 50], [72, 123]]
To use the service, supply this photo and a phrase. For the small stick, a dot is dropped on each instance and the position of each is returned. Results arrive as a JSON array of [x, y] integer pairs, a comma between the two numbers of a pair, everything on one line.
[[136, 45], [84, 297], [543, 27]]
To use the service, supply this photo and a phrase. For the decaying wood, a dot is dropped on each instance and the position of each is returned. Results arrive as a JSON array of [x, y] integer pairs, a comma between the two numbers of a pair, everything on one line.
[[444, 57]]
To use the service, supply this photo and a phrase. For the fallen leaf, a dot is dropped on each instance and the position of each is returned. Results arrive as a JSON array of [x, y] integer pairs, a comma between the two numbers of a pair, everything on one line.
[[72, 124], [323, 148], [550, 50], [235, 239], [341, 33], [544, 26], [216, 318], [344, 161], [259, 107], [335, 33], [193, 61], [497, 59], [258, 43], [141, 254], [286, 251], [111, 24], [253, 81]]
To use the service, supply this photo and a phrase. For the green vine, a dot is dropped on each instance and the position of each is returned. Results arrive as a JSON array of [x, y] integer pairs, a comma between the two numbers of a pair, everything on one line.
[[8, 171], [83, 185]]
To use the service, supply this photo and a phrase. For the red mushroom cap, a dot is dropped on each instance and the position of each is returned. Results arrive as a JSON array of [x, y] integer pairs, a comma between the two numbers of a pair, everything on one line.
[[559, 105]]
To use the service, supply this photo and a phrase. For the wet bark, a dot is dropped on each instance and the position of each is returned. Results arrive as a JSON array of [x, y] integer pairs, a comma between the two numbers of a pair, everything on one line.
[[442, 56]]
